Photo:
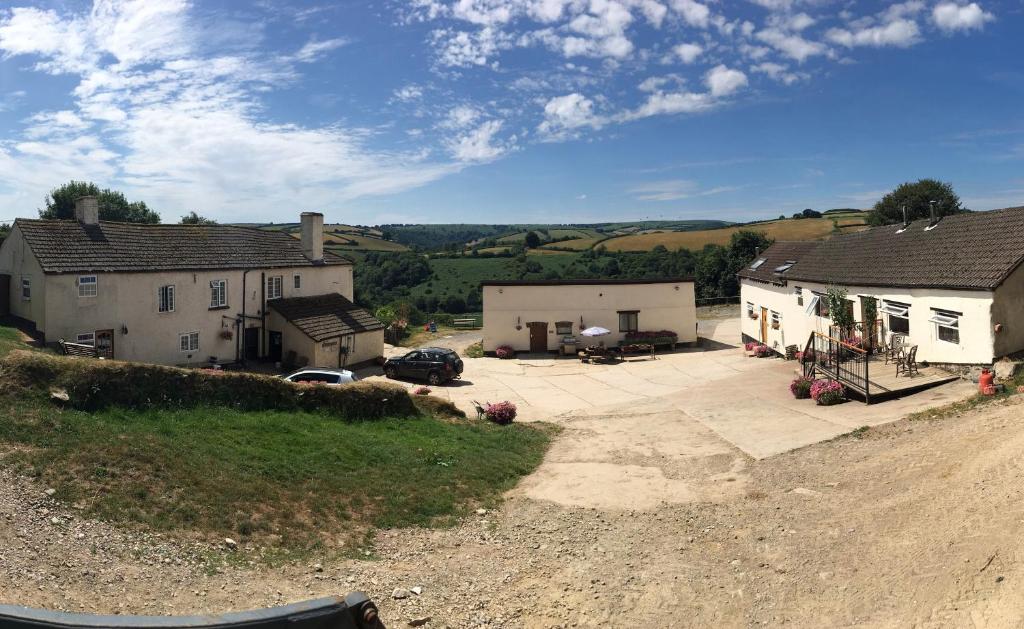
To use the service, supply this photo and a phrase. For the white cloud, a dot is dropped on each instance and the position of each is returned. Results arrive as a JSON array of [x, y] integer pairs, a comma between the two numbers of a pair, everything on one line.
[[480, 145], [667, 103], [792, 45], [723, 81], [674, 190], [950, 16], [900, 33], [694, 13], [778, 72], [688, 53], [314, 49], [463, 49], [461, 117], [408, 93], [564, 114]]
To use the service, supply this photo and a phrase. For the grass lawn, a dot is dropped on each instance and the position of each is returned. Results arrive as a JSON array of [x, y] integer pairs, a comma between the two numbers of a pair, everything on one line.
[[288, 480], [293, 480]]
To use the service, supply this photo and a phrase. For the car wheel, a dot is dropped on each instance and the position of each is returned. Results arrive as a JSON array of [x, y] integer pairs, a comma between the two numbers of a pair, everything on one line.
[[390, 372], [434, 378]]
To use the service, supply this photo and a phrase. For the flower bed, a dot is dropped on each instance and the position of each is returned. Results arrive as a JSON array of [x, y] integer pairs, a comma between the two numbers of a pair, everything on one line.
[[501, 413], [660, 337], [827, 392], [801, 387], [762, 351], [505, 352]]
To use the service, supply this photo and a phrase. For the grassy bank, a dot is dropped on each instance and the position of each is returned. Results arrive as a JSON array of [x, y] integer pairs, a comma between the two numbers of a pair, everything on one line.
[[289, 479]]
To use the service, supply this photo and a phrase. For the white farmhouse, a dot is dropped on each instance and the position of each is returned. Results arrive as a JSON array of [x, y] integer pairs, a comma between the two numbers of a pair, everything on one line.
[[536, 316], [954, 286], [185, 294]]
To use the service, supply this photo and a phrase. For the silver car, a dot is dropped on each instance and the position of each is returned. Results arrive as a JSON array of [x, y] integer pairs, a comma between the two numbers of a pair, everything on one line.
[[330, 377]]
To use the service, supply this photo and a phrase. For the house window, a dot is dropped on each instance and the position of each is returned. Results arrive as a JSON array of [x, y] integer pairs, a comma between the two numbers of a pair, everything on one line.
[[948, 324], [165, 298], [189, 342], [87, 286], [897, 316], [86, 338], [274, 287], [628, 321], [820, 303], [26, 289], [563, 327], [799, 296], [750, 310], [776, 319], [219, 294], [298, 281]]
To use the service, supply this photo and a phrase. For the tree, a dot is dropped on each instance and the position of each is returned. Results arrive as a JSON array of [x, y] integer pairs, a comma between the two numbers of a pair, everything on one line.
[[194, 219], [60, 204], [917, 198], [532, 240]]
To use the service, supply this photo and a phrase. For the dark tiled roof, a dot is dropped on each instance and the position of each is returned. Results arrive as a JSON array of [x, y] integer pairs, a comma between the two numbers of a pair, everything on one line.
[[323, 317], [775, 256], [975, 251], [69, 246]]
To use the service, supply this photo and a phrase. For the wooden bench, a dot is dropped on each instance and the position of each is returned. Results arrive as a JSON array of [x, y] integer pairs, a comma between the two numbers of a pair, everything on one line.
[[464, 323], [78, 349]]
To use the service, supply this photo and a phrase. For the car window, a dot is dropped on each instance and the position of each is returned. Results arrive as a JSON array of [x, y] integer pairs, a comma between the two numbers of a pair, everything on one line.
[[329, 378], [302, 377], [412, 356]]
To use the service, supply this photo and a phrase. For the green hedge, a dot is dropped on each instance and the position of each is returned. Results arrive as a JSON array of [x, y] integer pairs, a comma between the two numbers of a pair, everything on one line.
[[96, 384]]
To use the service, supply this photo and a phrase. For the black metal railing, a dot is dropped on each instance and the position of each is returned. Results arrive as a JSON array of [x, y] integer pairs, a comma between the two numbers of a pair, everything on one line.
[[831, 357]]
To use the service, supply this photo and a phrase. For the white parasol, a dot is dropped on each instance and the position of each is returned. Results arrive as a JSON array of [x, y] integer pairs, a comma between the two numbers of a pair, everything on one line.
[[595, 331]]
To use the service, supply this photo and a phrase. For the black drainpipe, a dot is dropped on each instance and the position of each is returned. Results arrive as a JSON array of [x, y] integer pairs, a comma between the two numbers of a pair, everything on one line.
[[263, 313], [240, 342]]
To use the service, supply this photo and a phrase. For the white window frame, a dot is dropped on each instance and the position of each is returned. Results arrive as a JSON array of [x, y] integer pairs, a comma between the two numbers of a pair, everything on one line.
[[86, 338], [275, 281], [297, 281], [946, 319], [799, 291], [811, 309], [750, 308], [185, 342], [897, 310], [218, 293], [776, 317], [26, 288], [165, 295], [88, 282]]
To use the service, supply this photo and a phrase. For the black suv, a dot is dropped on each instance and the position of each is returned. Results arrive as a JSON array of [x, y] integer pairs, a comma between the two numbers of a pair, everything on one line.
[[433, 364]]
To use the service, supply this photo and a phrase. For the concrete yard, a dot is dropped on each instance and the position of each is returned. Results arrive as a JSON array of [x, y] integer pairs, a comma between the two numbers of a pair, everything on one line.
[[677, 428]]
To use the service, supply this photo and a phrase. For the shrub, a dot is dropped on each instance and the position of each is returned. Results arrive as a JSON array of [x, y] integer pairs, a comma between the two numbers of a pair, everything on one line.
[[505, 351], [97, 384], [648, 336], [827, 392], [421, 391], [801, 387], [501, 413]]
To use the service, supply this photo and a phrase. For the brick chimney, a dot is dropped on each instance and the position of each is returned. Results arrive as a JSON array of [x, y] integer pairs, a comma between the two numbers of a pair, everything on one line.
[[313, 235], [87, 210]]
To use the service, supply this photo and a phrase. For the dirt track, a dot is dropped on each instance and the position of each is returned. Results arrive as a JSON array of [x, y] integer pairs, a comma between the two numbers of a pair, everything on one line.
[[915, 524]]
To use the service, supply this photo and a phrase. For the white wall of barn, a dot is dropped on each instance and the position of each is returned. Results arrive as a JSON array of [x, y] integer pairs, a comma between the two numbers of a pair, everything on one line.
[[977, 337]]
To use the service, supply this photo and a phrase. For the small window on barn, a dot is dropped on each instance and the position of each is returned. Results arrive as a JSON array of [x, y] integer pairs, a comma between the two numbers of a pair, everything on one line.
[[26, 289], [563, 327], [297, 281], [86, 338], [799, 295], [629, 321], [897, 316], [947, 324]]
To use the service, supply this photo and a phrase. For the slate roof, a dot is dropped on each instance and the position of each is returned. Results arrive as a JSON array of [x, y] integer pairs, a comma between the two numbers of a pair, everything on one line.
[[973, 251], [66, 246], [776, 255], [323, 317]]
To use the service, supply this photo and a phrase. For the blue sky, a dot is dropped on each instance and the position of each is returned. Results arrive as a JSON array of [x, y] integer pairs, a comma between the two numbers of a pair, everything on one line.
[[510, 110]]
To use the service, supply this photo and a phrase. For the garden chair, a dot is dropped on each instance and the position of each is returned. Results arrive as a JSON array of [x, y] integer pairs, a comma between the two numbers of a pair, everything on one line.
[[907, 362], [895, 348]]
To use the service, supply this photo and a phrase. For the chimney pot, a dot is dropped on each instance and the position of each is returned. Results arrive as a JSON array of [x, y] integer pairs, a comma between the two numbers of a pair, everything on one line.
[[87, 210], [313, 235], [906, 220], [933, 220]]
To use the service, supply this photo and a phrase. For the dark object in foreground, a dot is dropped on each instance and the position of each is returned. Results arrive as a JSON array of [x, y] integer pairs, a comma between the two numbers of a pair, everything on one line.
[[355, 611]]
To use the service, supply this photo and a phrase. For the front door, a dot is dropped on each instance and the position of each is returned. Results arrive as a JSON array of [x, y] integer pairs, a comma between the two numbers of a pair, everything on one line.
[[276, 343], [105, 343], [251, 343], [764, 325], [538, 336]]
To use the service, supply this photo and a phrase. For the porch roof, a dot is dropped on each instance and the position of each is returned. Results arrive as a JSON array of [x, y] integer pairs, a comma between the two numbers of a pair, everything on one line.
[[323, 317]]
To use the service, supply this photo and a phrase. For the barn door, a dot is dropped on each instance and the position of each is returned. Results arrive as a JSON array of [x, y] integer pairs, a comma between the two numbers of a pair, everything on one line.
[[538, 336]]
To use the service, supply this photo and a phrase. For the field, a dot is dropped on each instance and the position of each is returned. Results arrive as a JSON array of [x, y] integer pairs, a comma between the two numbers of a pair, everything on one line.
[[552, 234], [458, 276], [788, 229]]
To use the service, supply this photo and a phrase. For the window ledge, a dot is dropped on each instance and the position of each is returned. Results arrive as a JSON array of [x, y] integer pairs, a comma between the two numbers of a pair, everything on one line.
[[220, 307]]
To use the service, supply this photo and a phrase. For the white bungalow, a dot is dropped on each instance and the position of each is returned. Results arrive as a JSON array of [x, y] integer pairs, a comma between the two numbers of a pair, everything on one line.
[[953, 286]]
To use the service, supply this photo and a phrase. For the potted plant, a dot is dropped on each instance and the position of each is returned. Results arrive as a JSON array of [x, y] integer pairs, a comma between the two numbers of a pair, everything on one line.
[[505, 352], [227, 334], [828, 392], [801, 387]]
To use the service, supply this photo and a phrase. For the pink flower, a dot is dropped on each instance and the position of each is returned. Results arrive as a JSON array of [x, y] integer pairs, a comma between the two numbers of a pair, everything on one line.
[[501, 413], [505, 351]]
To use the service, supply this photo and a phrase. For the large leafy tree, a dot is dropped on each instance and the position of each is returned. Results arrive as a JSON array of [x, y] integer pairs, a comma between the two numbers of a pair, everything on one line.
[[60, 204], [917, 198]]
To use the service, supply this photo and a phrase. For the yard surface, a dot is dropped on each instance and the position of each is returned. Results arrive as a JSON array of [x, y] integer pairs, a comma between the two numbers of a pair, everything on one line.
[[912, 522]]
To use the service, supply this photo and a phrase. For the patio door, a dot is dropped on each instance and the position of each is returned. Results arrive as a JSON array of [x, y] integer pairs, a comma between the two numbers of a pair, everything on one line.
[[764, 325], [105, 343], [538, 336]]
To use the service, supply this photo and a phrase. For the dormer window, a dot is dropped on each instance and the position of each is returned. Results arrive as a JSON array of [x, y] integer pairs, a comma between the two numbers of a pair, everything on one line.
[[757, 263]]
